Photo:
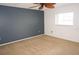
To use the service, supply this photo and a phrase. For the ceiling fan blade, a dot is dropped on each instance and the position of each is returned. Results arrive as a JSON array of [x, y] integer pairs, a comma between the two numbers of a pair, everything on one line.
[[41, 6], [50, 5], [33, 6]]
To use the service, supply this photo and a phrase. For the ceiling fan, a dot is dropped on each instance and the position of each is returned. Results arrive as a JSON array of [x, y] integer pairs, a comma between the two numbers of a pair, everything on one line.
[[42, 5]]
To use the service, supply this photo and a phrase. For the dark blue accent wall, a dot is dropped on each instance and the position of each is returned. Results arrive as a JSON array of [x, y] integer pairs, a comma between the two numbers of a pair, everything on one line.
[[19, 23]]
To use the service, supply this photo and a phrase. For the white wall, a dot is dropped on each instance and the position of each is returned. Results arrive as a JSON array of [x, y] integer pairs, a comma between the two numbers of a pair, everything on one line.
[[63, 31]]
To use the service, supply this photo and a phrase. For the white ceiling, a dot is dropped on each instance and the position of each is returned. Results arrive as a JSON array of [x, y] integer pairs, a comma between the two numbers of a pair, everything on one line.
[[28, 5]]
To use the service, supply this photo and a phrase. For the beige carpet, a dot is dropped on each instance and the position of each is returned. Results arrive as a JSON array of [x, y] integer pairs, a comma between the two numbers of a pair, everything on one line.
[[41, 45]]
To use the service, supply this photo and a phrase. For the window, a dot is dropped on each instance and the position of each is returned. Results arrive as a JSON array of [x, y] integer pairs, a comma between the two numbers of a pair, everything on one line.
[[64, 18]]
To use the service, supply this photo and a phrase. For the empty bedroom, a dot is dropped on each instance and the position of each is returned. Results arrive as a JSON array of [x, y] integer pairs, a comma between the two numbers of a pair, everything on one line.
[[39, 28]]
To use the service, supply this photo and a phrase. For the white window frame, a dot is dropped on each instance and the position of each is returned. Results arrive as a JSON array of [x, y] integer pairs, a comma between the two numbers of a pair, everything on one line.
[[61, 20]]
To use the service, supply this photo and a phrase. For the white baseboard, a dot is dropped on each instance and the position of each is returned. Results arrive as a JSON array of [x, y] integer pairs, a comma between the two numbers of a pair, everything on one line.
[[62, 38], [20, 40]]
